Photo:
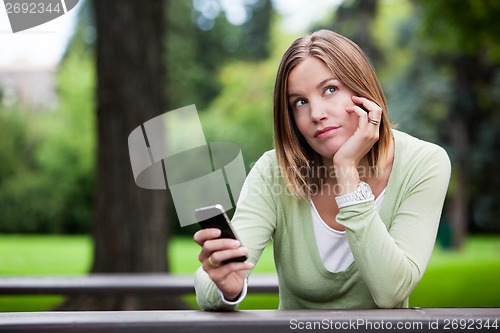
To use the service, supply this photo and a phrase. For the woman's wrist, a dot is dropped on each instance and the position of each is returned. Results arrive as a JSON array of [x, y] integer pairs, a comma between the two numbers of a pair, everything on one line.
[[231, 297], [347, 179], [235, 300]]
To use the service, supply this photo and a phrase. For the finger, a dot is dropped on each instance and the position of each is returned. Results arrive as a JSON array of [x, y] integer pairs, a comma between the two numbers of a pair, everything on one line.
[[211, 263], [220, 244], [213, 245], [201, 236], [219, 257], [375, 117], [369, 105], [362, 114], [374, 111], [366, 129], [220, 273]]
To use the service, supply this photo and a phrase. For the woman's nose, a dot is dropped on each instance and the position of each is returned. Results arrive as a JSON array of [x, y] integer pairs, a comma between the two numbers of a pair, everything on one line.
[[318, 112]]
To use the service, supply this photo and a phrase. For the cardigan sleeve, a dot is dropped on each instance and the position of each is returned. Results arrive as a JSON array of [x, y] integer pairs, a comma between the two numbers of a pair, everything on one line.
[[392, 259], [254, 222]]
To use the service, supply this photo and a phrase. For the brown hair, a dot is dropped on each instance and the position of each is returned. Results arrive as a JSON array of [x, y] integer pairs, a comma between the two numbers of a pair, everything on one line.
[[352, 67]]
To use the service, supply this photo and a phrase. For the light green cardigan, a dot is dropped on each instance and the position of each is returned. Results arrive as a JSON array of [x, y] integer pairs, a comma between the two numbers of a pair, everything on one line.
[[391, 248]]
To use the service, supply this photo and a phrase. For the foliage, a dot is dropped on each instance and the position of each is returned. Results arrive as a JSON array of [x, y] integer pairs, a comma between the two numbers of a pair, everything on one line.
[[451, 80], [47, 169], [68, 152], [461, 26], [200, 41], [47, 174], [242, 113], [16, 148], [16, 153]]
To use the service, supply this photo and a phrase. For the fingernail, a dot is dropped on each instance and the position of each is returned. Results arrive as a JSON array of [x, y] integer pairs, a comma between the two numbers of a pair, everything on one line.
[[237, 243]]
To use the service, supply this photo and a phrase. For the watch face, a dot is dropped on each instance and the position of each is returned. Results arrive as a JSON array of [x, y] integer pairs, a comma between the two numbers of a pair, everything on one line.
[[366, 191]]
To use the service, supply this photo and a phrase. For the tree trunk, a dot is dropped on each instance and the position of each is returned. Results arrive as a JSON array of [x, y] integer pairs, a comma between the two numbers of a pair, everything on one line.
[[459, 207], [130, 229], [467, 108]]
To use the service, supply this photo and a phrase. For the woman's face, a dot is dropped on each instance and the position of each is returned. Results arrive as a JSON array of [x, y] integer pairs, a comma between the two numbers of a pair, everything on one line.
[[319, 103]]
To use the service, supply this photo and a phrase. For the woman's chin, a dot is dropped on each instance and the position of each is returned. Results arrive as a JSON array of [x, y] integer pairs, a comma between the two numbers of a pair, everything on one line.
[[327, 157], [327, 151]]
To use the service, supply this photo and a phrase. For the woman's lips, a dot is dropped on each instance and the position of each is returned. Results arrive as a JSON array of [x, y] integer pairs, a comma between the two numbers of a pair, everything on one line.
[[324, 132]]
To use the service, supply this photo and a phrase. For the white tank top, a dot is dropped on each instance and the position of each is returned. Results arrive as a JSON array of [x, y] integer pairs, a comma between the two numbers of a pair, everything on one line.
[[332, 244]]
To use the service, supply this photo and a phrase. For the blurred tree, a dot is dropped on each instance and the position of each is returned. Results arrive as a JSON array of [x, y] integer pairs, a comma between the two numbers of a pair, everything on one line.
[[15, 148], [448, 85], [201, 39], [130, 230], [449, 91], [17, 158], [242, 113], [48, 160], [52, 191], [354, 19]]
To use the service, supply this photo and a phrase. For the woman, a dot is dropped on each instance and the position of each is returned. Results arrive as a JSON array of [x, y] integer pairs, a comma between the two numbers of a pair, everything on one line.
[[352, 206]]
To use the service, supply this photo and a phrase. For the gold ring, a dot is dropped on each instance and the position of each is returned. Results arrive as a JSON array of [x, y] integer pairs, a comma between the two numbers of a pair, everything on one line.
[[373, 121], [211, 263]]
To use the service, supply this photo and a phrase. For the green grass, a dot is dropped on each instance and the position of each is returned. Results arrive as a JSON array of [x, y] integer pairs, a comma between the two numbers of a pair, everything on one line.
[[41, 255], [465, 278]]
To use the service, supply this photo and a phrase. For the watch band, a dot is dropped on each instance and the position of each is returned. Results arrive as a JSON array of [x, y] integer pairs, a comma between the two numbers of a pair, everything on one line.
[[363, 193]]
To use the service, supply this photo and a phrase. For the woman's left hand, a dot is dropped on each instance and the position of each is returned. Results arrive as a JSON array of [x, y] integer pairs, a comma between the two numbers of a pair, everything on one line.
[[365, 136]]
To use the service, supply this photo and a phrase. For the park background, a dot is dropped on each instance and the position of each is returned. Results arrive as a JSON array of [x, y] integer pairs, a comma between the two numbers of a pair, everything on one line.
[[68, 201]]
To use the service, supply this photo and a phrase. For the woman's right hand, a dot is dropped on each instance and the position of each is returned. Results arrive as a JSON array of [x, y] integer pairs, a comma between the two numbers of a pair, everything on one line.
[[230, 277]]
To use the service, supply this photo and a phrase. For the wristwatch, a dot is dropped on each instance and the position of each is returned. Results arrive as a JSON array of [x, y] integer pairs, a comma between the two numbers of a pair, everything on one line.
[[363, 193]]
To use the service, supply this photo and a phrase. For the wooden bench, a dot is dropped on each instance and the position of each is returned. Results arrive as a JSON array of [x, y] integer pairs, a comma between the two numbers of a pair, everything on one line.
[[265, 321], [117, 284]]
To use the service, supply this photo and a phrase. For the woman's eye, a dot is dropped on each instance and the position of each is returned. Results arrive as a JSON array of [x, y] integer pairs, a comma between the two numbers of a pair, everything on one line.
[[330, 90], [299, 103]]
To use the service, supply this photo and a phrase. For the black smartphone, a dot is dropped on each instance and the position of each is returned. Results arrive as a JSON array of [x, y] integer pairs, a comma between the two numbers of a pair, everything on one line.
[[215, 217], [364, 109]]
